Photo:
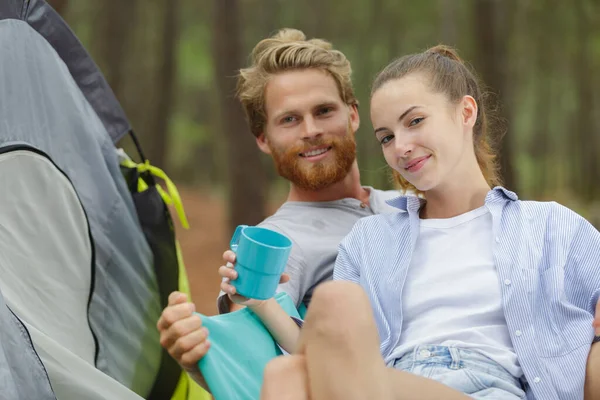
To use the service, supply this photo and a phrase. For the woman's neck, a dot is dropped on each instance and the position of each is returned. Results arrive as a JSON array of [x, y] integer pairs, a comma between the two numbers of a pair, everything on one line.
[[456, 198]]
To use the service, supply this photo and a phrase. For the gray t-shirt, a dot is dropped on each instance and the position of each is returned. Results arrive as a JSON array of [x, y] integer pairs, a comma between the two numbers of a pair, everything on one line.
[[316, 229]]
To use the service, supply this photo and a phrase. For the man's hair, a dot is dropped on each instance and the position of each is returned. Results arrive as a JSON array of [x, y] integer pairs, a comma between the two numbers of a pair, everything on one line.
[[288, 50]]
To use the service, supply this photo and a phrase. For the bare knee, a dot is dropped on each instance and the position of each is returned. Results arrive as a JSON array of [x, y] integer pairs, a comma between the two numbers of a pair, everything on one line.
[[283, 366], [339, 309], [339, 300], [285, 378]]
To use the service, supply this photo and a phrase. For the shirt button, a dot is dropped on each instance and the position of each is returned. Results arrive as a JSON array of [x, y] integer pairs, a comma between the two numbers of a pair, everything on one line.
[[518, 333], [363, 205], [497, 239], [507, 282], [537, 379], [425, 353]]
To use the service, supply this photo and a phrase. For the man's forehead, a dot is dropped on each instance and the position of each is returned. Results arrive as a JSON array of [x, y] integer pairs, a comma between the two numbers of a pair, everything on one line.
[[300, 89]]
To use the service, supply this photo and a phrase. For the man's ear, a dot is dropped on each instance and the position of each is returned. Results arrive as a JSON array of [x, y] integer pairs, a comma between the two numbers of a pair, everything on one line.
[[263, 144], [354, 117]]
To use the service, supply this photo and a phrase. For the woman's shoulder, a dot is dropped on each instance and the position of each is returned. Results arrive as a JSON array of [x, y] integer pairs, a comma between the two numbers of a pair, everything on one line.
[[551, 216], [547, 210]]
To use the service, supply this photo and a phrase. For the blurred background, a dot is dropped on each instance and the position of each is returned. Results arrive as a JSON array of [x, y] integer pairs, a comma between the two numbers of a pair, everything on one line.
[[172, 64]]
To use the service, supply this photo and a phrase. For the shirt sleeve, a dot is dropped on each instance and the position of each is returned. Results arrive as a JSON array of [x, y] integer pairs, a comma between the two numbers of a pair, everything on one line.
[[583, 276], [347, 263]]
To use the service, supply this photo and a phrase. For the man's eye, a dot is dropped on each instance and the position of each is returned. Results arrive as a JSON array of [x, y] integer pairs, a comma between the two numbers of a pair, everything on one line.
[[416, 121], [325, 110], [287, 120]]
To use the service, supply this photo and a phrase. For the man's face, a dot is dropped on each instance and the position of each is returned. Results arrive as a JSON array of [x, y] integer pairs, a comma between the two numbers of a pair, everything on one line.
[[309, 130]]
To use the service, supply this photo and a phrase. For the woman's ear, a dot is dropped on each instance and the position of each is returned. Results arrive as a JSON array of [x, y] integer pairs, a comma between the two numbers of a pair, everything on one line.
[[469, 111]]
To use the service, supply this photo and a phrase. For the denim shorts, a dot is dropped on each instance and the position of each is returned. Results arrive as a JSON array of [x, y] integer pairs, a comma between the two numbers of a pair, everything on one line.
[[464, 370]]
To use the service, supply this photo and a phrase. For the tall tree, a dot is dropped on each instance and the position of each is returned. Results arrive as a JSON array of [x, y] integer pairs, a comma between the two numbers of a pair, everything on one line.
[[246, 180], [448, 31], [493, 19], [586, 143], [540, 148], [165, 80], [112, 27]]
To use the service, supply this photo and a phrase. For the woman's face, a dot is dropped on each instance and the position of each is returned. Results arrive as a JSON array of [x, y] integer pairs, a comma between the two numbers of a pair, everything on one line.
[[424, 136]]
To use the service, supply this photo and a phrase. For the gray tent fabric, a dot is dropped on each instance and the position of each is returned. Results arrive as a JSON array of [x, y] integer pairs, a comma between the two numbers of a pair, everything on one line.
[[26, 378], [41, 17], [46, 256], [44, 107]]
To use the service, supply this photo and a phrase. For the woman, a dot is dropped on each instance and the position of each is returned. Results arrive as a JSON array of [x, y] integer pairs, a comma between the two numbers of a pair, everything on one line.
[[469, 286], [497, 295]]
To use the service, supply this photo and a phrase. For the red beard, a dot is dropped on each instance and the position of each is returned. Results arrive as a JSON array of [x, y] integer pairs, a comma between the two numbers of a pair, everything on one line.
[[321, 174]]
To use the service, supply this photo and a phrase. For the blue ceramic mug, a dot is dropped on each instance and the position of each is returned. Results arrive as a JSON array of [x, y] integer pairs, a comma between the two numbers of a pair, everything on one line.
[[261, 257]]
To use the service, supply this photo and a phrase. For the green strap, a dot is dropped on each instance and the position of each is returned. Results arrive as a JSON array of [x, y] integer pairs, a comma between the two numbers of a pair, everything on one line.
[[170, 196]]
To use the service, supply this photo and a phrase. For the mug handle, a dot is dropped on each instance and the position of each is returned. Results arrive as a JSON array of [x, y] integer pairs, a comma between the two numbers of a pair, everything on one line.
[[235, 239]]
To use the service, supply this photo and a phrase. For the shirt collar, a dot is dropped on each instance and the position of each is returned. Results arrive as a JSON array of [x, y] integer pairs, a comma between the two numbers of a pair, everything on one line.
[[413, 203]]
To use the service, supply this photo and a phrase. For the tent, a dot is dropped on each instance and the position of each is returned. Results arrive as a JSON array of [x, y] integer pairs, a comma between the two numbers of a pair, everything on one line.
[[88, 254]]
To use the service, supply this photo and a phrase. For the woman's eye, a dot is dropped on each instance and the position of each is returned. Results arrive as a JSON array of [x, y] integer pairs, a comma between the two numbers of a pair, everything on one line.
[[386, 139], [416, 121]]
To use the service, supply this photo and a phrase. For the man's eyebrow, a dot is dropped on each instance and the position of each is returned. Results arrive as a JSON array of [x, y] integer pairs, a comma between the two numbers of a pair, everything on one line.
[[325, 104]]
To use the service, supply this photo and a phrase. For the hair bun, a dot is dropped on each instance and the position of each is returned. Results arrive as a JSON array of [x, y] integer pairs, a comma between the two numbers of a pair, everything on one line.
[[446, 51], [289, 35]]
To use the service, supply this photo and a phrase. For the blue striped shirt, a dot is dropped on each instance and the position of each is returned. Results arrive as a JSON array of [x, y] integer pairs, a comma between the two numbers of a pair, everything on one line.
[[547, 258]]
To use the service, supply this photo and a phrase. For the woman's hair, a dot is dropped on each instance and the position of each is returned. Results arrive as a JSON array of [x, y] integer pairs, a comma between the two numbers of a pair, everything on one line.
[[448, 74], [288, 50]]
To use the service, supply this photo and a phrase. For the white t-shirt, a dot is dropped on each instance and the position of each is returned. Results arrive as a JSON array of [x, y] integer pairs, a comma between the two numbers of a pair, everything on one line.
[[452, 293]]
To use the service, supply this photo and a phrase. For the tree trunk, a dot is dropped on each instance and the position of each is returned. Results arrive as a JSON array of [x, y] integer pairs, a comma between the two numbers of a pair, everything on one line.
[[161, 106], [447, 9], [247, 191], [587, 176], [113, 26], [493, 28]]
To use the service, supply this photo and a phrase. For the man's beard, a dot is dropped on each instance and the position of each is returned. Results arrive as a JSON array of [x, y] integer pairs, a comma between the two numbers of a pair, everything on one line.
[[318, 175]]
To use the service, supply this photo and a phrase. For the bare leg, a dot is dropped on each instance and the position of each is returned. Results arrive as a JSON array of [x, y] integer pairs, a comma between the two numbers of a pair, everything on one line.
[[286, 379], [341, 345]]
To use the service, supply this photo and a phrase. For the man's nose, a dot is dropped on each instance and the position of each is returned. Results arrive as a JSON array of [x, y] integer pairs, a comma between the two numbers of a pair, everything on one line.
[[312, 128]]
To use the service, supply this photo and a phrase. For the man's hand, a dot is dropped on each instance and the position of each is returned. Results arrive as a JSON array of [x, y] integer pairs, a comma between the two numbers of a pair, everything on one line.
[[183, 336]]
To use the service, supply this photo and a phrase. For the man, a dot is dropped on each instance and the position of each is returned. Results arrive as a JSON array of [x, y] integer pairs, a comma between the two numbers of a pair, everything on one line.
[[301, 108]]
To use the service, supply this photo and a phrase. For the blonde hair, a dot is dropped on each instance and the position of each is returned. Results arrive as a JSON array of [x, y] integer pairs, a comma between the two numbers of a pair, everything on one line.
[[449, 75], [288, 50]]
